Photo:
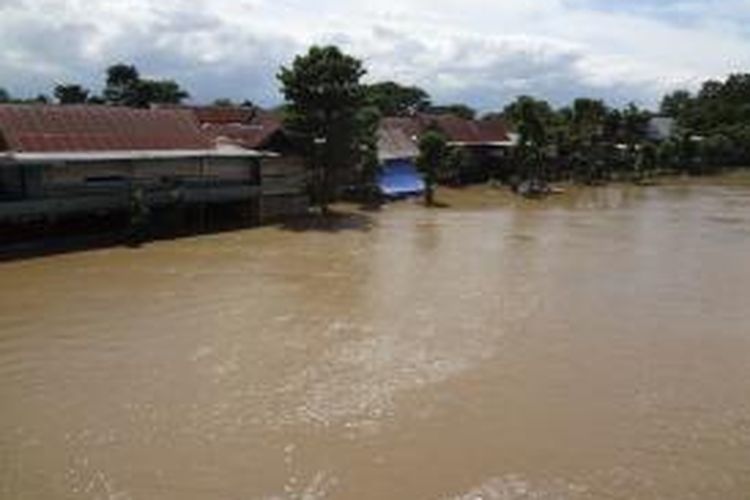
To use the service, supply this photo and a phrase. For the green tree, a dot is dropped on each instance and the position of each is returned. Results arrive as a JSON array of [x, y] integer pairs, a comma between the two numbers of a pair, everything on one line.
[[4, 95], [159, 92], [71, 94], [676, 105], [324, 96], [456, 162], [223, 102], [589, 116], [121, 85], [668, 154], [125, 87], [531, 119], [432, 154], [394, 99], [645, 162], [368, 122], [460, 110]]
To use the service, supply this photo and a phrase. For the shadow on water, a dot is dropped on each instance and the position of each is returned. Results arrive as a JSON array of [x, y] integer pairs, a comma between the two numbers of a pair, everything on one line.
[[29, 241], [335, 221], [43, 239], [437, 204]]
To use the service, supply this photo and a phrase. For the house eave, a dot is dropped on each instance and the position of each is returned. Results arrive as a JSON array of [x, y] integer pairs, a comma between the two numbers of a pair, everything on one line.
[[19, 157]]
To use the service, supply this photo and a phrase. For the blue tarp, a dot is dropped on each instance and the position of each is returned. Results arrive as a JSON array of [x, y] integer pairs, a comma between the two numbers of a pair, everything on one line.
[[400, 178]]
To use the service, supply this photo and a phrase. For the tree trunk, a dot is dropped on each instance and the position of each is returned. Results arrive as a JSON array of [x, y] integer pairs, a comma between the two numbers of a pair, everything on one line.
[[429, 194]]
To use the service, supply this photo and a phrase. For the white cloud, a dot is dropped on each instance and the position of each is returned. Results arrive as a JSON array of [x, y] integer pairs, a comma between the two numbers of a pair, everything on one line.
[[479, 51]]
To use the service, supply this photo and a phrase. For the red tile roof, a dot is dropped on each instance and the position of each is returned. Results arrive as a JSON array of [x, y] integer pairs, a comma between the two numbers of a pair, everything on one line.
[[48, 128]]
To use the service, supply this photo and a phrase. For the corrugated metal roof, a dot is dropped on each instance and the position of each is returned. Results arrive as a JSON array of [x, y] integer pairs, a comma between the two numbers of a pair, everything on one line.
[[459, 131], [394, 143], [96, 156], [254, 135], [222, 115], [469, 132], [48, 128]]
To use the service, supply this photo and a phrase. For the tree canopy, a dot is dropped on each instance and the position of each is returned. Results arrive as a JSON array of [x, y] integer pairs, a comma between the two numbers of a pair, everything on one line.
[[394, 99], [461, 110], [432, 155], [71, 94], [719, 113], [325, 97], [125, 87]]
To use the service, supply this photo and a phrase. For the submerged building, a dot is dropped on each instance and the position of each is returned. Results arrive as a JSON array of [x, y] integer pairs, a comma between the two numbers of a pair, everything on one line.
[[397, 154], [284, 176], [483, 146], [58, 161]]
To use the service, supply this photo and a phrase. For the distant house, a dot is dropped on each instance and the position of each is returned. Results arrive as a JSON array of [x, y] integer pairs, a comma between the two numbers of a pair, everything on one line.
[[660, 128], [284, 174], [58, 161], [485, 144], [397, 154]]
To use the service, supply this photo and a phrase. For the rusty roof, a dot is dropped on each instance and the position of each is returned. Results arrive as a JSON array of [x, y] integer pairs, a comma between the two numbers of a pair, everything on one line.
[[395, 142], [458, 130], [50, 128], [255, 134], [470, 132], [222, 115]]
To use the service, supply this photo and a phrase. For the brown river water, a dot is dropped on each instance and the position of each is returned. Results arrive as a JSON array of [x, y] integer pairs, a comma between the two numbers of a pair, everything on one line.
[[591, 346]]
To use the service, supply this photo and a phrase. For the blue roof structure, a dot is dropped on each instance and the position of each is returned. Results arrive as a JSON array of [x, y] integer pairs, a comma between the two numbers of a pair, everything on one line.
[[400, 178]]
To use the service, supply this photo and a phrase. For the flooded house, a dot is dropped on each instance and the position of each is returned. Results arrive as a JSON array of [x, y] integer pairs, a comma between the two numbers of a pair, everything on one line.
[[397, 154], [58, 161], [284, 178], [482, 147]]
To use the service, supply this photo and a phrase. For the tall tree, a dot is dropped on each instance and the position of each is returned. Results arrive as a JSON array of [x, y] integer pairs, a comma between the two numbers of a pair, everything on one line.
[[676, 104], [125, 87], [394, 99], [71, 94], [121, 85], [460, 110], [432, 155], [589, 116], [4, 95], [531, 119], [324, 96], [368, 121], [159, 92]]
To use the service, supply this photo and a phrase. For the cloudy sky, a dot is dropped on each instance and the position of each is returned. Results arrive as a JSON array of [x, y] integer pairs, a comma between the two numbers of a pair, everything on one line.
[[483, 52]]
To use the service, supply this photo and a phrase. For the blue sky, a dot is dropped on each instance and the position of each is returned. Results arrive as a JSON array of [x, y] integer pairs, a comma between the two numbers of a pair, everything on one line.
[[483, 52]]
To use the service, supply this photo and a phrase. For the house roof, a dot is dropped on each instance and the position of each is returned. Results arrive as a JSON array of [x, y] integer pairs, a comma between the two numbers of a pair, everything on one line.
[[96, 156], [394, 143], [254, 134], [47, 128], [459, 131], [661, 128], [411, 126], [222, 115], [469, 132]]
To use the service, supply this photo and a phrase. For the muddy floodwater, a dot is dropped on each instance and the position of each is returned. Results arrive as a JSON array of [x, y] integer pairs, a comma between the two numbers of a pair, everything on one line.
[[591, 346]]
